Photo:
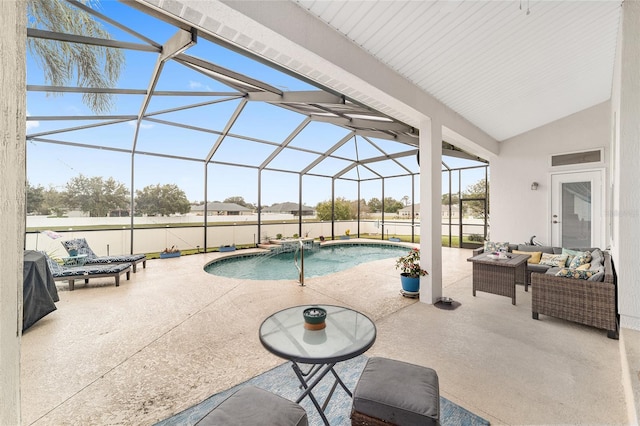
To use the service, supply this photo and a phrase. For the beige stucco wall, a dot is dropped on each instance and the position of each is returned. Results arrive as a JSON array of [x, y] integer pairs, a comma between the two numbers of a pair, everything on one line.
[[527, 158], [12, 176]]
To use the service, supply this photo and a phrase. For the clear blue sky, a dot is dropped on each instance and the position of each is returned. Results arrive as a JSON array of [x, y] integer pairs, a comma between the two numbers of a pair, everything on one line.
[[54, 165]]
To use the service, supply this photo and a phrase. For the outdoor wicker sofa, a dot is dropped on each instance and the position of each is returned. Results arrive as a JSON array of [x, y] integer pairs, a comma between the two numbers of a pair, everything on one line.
[[591, 302]]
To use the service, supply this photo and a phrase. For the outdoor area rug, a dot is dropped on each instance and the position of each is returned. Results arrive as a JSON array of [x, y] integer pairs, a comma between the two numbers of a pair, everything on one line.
[[282, 381]]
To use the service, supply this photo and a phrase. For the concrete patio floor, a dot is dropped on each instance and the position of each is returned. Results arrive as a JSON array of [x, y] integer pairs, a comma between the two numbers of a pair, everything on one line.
[[174, 335]]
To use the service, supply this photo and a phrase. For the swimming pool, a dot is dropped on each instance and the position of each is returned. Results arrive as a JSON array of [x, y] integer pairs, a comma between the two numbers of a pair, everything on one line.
[[318, 262]]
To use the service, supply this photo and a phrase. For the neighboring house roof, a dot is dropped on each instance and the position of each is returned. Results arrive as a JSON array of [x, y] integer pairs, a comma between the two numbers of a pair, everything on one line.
[[221, 207], [408, 208], [286, 208]]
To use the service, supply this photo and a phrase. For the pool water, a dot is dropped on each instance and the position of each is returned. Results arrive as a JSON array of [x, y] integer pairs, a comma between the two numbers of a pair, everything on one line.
[[317, 262]]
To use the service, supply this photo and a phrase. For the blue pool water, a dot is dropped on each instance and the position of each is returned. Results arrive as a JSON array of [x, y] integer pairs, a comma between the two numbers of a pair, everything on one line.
[[317, 262]]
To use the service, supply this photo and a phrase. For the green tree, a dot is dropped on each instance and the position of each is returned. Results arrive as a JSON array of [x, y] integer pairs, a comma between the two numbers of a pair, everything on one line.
[[239, 201], [96, 196], [164, 200], [35, 198], [342, 210], [478, 190], [364, 209], [375, 205], [446, 197], [92, 66], [392, 205], [54, 202]]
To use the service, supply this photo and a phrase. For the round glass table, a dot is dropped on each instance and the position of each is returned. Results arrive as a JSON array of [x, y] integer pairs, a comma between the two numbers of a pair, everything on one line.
[[347, 334]]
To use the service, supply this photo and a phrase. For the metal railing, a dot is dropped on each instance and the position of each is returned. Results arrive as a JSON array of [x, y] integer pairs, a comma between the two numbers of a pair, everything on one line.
[[301, 266]]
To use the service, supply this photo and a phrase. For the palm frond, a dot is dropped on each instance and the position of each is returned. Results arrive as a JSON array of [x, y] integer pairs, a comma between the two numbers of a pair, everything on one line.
[[91, 66]]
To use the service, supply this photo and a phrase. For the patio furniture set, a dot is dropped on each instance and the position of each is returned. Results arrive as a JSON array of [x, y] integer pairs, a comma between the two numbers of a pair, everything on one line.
[[388, 392], [578, 285], [83, 263]]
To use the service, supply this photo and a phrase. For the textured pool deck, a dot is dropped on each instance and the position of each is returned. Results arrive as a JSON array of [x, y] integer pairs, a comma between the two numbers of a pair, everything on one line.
[[174, 335]]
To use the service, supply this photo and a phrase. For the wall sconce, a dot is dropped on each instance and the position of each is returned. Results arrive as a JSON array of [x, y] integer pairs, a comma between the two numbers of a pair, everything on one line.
[[534, 186]]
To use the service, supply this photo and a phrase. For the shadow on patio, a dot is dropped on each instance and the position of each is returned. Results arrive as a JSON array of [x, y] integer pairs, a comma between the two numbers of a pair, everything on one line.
[[174, 335]]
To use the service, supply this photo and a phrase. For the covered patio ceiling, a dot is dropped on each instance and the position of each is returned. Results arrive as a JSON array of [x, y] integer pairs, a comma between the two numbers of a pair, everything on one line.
[[505, 67]]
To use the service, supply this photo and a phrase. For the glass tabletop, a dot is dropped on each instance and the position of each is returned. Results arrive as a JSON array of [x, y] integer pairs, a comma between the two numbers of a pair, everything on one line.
[[347, 334]]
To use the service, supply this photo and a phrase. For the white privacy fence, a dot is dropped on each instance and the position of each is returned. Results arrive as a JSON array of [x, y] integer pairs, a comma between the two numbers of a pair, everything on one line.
[[156, 239]]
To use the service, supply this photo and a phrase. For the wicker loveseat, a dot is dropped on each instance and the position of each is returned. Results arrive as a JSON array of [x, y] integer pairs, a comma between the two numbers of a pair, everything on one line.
[[592, 302]]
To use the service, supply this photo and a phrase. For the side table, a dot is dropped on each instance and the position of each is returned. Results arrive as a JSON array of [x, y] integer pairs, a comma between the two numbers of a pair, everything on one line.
[[499, 276]]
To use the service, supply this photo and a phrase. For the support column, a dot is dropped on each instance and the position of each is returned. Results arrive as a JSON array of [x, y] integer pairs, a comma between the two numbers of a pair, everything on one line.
[[628, 170], [430, 201], [13, 35]]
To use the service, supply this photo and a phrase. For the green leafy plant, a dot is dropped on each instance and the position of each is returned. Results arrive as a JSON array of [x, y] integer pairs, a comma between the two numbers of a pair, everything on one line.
[[410, 264]]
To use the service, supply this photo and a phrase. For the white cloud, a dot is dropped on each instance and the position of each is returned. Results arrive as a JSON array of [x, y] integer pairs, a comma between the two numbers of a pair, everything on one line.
[[197, 85], [142, 125]]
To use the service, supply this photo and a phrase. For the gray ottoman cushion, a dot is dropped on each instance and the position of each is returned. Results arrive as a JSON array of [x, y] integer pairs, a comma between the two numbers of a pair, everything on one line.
[[252, 406], [398, 392]]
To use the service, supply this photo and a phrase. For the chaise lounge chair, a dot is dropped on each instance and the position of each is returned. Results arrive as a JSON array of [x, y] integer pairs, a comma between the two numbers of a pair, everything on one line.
[[70, 274], [81, 245]]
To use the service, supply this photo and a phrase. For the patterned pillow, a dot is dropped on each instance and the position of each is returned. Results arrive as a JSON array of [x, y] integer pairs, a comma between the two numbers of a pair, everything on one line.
[[81, 245], [580, 259], [584, 267], [535, 255], [553, 259], [571, 254], [491, 247], [575, 273]]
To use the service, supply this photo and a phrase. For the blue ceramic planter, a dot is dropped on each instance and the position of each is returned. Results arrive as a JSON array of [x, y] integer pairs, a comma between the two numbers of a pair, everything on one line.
[[168, 255], [410, 284]]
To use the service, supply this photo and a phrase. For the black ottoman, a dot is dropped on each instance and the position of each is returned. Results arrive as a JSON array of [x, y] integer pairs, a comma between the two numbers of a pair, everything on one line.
[[396, 393], [256, 407]]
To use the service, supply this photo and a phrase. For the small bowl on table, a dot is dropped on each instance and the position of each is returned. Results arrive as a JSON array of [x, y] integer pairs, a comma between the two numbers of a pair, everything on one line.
[[314, 318]]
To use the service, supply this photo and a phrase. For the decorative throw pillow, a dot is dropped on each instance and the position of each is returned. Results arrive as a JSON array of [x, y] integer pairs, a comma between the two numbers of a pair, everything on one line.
[[571, 254], [580, 259], [575, 273], [535, 255], [491, 247], [584, 267], [553, 259], [597, 259]]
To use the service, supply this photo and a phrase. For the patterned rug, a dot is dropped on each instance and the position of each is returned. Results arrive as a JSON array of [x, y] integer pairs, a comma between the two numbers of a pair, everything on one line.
[[282, 381]]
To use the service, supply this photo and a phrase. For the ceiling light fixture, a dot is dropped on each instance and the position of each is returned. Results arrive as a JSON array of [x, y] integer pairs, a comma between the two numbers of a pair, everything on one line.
[[528, 10]]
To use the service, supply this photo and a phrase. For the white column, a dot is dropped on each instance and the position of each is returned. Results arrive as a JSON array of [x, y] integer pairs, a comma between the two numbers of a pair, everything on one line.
[[12, 198], [430, 210], [628, 170]]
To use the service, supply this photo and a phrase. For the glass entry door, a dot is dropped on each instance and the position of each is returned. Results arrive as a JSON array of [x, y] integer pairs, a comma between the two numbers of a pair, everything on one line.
[[576, 209]]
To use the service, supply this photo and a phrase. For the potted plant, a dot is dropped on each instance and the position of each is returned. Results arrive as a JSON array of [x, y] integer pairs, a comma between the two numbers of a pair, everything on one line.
[[411, 270]]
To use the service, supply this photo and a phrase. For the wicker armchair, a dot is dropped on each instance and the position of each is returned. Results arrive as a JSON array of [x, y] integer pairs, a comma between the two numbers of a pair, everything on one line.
[[591, 303]]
